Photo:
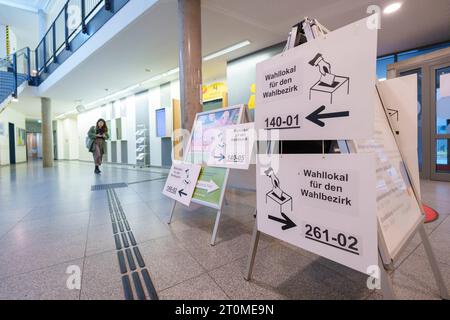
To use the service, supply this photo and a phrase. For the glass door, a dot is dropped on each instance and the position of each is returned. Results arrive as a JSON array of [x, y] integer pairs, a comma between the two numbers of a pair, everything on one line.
[[440, 99], [421, 145]]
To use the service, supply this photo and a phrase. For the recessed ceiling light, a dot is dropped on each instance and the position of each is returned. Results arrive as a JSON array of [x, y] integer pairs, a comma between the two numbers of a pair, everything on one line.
[[227, 50], [393, 7]]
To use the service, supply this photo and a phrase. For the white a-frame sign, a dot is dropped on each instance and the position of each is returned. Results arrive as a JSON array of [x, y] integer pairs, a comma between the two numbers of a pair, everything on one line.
[[359, 208], [212, 181]]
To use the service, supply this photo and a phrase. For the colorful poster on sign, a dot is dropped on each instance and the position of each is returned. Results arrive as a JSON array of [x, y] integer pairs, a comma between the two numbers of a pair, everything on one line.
[[210, 186], [211, 183], [205, 129], [321, 89], [321, 203]]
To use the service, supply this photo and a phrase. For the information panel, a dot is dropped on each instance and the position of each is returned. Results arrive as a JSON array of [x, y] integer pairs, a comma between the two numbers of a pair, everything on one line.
[[322, 203], [397, 208], [321, 89], [212, 181], [180, 183]]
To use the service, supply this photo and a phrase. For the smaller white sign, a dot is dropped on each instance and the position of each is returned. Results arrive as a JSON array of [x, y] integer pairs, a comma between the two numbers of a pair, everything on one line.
[[445, 85], [180, 183], [233, 147]]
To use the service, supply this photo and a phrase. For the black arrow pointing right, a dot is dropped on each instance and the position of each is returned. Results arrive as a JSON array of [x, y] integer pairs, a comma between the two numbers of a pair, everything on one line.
[[288, 223], [221, 157], [316, 115], [181, 193]]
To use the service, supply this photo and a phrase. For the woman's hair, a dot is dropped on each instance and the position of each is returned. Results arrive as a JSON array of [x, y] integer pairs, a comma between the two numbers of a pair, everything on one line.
[[105, 127]]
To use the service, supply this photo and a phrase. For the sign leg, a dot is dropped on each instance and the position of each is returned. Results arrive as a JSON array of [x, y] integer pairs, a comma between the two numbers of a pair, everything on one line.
[[216, 227], [434, 264], [252, 253], [387, 287], [171, 212]]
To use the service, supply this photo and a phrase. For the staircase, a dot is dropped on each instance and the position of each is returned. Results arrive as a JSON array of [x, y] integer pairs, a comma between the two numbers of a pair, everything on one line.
[[14, 74]]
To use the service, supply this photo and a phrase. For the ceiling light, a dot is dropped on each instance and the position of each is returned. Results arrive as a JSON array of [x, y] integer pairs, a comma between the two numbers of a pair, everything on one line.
[[392, 7], [227, 50]]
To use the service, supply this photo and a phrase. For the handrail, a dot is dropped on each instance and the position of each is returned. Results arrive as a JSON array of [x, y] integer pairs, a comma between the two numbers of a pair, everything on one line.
[[74, 16], [11, 64]]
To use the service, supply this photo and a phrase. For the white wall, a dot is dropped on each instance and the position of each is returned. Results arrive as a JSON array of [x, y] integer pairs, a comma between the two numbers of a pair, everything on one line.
[[10, 115], [131, 129], [68, 139], [155, 142]]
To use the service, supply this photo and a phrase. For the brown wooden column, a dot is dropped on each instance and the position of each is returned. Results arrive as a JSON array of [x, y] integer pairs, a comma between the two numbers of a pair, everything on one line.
[[190, 59], [47, 132]]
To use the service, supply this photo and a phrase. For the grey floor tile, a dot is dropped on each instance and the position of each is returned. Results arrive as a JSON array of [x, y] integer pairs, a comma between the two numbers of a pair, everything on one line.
[[101, 278], [168, 263], [44, 284], [100, 239], [200, 288]]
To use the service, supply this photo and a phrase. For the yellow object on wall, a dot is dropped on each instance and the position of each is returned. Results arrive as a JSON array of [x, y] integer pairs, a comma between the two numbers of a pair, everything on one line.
[[214, 91], [8, 48], [251, 100]]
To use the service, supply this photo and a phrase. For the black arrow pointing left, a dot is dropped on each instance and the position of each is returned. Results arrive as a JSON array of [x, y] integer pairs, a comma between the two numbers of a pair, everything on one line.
[[316, 115], [181, 193], [288, 223]]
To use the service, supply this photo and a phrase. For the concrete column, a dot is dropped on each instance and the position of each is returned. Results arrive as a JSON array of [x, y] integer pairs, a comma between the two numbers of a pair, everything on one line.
[[190, 59], [47, 132]]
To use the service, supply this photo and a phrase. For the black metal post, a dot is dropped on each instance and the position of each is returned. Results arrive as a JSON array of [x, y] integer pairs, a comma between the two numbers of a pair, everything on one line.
[[28, 63], [54, 42], [45, 53], [36, 60], [83, 16], [66, 27], [15, 74], [108, 5]]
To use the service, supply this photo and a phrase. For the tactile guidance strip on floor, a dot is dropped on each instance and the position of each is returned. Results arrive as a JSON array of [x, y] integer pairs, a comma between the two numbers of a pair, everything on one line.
[[131, 263], [100, 187]]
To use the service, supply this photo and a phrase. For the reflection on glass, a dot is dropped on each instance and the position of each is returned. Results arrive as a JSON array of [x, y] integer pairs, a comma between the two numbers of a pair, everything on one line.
[[442, 105], [442, 156], [419, 110]]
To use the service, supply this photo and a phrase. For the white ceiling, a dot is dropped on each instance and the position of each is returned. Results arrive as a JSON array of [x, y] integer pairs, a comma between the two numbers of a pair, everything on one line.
[[29, 5], [152, 40]]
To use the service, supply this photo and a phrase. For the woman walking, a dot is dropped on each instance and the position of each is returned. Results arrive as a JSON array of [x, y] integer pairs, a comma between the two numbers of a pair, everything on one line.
[[98, 135]]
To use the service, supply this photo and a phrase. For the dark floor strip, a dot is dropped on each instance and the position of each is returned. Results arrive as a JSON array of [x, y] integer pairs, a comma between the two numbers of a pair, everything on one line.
[[139, 258], [113, 219], [138, 286], [132, 239], [117, 240], [114, 225], [127, 288], [148, 180], [130, 258], [122, 265], [127, 226], [149, 285], [120, 226], [126, 244]]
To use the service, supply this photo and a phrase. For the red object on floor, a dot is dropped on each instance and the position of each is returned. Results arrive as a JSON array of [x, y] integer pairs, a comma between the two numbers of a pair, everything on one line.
[[430, 214]]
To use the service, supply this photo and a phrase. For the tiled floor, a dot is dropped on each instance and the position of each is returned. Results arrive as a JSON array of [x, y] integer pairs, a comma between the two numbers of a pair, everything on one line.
[[50, 220]]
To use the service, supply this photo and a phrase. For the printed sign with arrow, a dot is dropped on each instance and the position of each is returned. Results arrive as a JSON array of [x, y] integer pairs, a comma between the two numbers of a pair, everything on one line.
[[180, 183], [209, 186], [287, 223], [317, 115]]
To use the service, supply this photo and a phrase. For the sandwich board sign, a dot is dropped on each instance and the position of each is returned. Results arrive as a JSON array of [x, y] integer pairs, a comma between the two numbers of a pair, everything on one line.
[[398, 209], [212, 181], [322, 203], [321, 90], [233, 147], [399, 96], [181, 181]]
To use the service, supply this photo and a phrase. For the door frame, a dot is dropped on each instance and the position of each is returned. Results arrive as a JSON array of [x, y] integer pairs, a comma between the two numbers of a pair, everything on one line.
[[426, 63], [12, 143], [439, 176]]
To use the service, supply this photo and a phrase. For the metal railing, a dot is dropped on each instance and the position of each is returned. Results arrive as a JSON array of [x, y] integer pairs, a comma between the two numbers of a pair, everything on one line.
[[71, 20], [18, 65]]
